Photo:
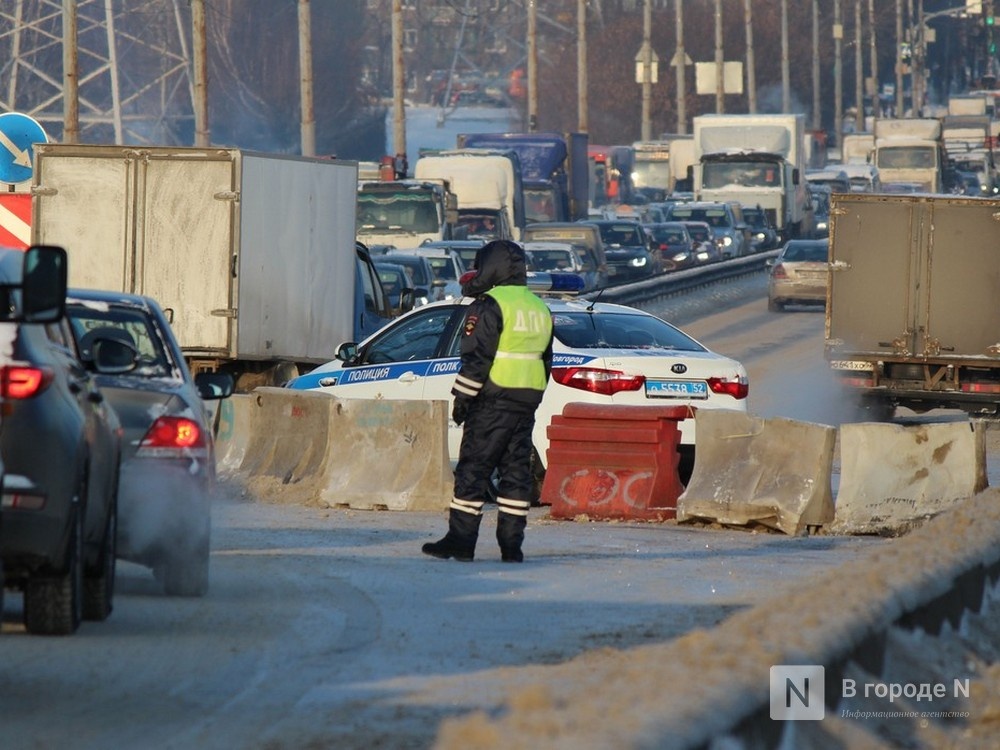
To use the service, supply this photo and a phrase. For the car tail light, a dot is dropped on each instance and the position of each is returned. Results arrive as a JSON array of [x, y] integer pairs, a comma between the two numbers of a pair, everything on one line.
[[24, 381], [779, 272], [605, 382], [172, 437], [737, 387]]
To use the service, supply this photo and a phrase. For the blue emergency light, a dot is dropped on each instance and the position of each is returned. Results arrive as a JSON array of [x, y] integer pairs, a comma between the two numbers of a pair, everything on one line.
[[559, 283]]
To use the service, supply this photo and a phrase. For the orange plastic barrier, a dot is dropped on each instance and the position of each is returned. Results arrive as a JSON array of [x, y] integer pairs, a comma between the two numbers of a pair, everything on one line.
[[614, 462]]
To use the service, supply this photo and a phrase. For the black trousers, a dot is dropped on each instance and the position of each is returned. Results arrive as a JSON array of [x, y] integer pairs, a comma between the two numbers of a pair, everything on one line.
[[495, 438]]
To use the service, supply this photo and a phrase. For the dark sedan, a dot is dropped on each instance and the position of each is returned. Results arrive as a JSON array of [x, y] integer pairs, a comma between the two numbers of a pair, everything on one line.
[[168, 458], [626, 248], [60, 442], [673, 242]]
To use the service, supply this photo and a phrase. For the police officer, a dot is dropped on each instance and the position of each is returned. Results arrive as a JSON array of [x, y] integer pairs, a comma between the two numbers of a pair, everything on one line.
[[506, 358]]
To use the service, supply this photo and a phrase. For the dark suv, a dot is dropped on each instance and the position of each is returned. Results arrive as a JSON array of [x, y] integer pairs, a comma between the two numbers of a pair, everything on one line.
[[60, 443], [627, 250]]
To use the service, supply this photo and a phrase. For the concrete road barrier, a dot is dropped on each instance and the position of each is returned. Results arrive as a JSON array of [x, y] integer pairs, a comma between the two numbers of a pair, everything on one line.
[[894, 476], [233, 430], [314, 449], [775, 472]]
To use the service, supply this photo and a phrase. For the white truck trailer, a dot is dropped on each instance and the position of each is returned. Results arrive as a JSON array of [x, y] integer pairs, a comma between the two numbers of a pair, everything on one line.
[[756, 160], [253, 254]]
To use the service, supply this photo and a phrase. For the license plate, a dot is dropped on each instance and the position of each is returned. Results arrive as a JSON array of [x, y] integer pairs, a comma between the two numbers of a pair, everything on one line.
[[850, 365], [612, 270], [676, 389]]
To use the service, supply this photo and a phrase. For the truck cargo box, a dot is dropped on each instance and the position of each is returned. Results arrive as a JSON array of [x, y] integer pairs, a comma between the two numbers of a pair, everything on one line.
[[912, 314], [253, 253]]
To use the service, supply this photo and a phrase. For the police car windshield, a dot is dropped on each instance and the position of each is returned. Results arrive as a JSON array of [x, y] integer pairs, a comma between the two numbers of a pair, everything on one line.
[[583, 330]]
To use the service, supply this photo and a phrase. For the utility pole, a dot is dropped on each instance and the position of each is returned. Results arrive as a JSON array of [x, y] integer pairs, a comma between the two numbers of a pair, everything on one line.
[[581, 65], [647, 69], [751, 68], [899, 58], [398, 81], [532, 67], [859, 73], [720, 80], [680, 57], [786, 87], [876, 101], [308, 124], [817, 114], [838, 71], [71, 76], [200, 51]]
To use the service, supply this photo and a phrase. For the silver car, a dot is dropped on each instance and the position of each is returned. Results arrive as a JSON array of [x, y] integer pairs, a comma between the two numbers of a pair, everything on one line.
[[168, 453], [798, 276]]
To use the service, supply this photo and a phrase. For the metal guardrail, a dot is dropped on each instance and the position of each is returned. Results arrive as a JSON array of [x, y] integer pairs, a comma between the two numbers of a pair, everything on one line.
[[665, 285]]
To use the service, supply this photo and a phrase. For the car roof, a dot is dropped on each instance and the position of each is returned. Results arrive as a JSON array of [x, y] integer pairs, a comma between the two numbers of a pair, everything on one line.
[[108, 297]]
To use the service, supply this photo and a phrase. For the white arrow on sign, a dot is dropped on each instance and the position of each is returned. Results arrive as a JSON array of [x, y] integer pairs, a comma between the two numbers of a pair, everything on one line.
[[21, 158]]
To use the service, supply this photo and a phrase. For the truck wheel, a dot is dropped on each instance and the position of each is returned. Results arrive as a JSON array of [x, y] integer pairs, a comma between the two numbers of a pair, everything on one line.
[[53, 603], [874, 409], [99, 584]]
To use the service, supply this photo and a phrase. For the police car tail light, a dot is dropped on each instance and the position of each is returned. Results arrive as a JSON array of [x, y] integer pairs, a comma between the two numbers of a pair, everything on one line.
[[172, 437], [593, 380], [736, 387], [24, 381]]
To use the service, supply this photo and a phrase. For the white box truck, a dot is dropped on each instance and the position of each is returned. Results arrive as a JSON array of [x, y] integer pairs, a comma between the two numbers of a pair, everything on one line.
[[756, 160], [253, 254]]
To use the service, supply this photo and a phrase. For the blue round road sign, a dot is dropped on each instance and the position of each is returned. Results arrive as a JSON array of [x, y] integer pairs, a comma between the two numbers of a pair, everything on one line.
[[18, 134]]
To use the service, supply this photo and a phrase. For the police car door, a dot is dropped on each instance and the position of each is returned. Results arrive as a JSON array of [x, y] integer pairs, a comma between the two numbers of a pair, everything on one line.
[[399, 362]]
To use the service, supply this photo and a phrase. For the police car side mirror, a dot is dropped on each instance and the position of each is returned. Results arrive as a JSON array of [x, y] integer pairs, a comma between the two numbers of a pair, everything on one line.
[[347, 351]]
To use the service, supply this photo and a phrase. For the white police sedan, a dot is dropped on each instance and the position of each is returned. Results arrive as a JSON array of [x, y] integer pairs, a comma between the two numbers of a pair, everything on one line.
[[603, 353]]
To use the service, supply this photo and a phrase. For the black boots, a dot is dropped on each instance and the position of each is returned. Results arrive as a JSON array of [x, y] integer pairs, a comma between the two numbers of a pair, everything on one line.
[[463, 532], [510, 535], [460, 541]]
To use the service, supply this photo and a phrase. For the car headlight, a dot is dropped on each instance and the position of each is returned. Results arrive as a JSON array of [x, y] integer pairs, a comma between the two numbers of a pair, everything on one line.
[[680, 257], [760, 236], [727, 241], [821, 225], [637, 262]]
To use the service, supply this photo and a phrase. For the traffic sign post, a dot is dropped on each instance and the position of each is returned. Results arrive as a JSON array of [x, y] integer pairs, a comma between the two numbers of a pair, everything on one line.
[[18, 134]]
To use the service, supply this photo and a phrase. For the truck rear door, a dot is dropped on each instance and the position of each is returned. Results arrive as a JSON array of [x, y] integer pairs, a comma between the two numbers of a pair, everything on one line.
[[913, 276], [184, 245]]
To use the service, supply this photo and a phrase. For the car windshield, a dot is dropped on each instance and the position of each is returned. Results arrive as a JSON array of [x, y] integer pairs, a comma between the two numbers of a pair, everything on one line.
[[714, 217], [417, 267], [670, 236], [443, 268], [585, 330], [621, 234], [552, 260], [806, 251], [127, 325]]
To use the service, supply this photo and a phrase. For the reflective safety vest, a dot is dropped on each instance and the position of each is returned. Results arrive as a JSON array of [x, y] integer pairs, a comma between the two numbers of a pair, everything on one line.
[[527, 329]]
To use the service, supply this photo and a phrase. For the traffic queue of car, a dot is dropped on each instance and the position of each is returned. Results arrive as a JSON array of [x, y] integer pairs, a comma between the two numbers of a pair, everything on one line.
[[106, 444]]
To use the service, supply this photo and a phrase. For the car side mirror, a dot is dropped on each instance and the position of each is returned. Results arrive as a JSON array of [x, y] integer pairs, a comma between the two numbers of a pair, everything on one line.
[[214, 385], [43, 285], [347, 351], [407, 299]]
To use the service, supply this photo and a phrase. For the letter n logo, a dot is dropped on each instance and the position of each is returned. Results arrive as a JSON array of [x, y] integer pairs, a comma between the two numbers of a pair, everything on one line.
[[798, 693]]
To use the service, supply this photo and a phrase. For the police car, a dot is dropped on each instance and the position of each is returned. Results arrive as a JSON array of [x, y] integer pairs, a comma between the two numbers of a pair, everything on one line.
[[602, 353]]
